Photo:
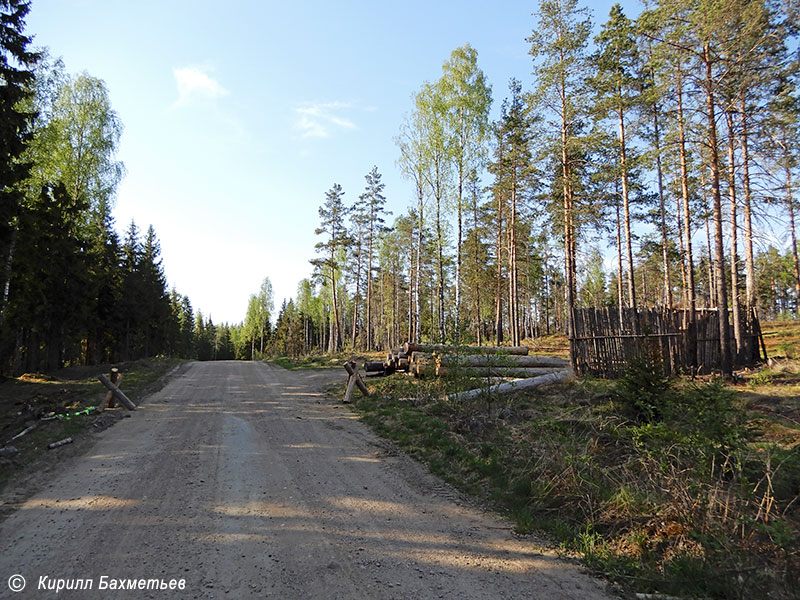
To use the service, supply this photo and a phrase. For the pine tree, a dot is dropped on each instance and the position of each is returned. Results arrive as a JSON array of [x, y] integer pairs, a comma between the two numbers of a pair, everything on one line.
[[332, 225], [375, 204], [616, 96], [560, 43], [515, 182]]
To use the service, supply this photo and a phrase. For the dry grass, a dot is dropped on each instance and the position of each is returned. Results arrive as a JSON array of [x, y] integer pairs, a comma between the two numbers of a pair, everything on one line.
[[782, 338]]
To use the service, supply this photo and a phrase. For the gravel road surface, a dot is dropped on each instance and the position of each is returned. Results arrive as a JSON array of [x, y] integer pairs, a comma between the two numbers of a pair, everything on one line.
[[244, 481]]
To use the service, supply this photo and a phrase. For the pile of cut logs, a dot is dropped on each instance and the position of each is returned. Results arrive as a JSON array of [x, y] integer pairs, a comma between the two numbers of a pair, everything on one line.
[[477, 361]]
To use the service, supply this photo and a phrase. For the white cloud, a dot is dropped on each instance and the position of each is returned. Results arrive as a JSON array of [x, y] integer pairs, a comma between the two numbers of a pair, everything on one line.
[[194, 82], [321, 119]]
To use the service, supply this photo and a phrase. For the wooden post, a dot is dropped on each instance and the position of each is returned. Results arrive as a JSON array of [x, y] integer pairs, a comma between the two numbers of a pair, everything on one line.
[[108, 402], [348, 366], [123, 399], [351, 382]]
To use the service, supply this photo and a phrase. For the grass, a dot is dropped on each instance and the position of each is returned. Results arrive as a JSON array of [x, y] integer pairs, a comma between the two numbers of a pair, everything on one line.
[[25, 399], [689, 490], [782, 338]]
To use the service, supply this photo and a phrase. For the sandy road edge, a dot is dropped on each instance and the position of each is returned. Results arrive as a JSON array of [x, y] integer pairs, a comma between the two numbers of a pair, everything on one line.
[[28, 482]]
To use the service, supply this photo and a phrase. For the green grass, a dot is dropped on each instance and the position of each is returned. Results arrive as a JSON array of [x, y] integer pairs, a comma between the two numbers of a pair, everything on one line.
[[661, 495]]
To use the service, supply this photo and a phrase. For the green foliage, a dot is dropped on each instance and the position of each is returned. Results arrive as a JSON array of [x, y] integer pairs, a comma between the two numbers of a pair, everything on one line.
[[643, 393], [16, 75]]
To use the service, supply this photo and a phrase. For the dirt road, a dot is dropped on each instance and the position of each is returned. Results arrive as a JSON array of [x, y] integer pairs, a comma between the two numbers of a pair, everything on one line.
[[243, 481]]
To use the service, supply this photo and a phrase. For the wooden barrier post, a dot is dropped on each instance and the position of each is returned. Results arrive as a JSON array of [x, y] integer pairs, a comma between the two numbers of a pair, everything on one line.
[[108, 401], [117, 393], [353, 374]]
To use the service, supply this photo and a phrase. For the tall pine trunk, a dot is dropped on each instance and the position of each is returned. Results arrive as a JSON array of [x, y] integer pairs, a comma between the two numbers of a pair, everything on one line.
[[662, 211], [737, 323], [691, 290], [716, 197], [513, 296], [623, 160], [498, 307], [790, 209], [620, 272]]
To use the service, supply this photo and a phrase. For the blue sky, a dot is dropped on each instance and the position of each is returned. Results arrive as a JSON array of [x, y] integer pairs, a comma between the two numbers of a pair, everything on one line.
[[240, 115]]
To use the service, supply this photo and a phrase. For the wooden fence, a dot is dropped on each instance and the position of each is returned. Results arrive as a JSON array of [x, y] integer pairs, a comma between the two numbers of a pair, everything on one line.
[[604, 340]]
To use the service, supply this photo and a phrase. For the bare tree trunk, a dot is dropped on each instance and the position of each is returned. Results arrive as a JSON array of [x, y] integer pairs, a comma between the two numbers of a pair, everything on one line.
[[458, 253], [498, 310], [751, 293], [477, 290], [662, 209], [737, 323], [440, 266], [626, 208], [712, 286], [7, 270], [682, 250], [410, 336], [369, 301], [356, 299], [513, 308], [569, 246], [417, 307], [719, 256], [691, 290], [620, 273], [337, 335], [795, 260]]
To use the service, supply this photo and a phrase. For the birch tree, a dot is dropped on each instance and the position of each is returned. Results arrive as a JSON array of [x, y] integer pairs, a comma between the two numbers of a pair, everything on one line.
[[468, 98]]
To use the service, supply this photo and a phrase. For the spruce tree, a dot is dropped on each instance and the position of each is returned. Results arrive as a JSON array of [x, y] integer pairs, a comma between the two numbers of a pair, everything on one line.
[[16, 91]]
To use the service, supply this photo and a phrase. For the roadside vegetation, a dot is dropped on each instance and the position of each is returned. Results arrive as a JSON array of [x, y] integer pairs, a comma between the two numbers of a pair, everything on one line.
[[669, 486]]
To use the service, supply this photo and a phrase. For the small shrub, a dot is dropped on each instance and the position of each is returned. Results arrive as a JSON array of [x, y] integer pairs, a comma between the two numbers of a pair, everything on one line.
[[642, 392]]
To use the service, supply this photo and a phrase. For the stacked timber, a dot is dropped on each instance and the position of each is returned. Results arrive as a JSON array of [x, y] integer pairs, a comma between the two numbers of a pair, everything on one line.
[[439, 360], [483, 361], [409, 348], [397, 360]]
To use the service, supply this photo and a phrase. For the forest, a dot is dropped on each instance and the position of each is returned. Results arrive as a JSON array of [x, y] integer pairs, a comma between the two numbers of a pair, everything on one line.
[[653, 163]]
